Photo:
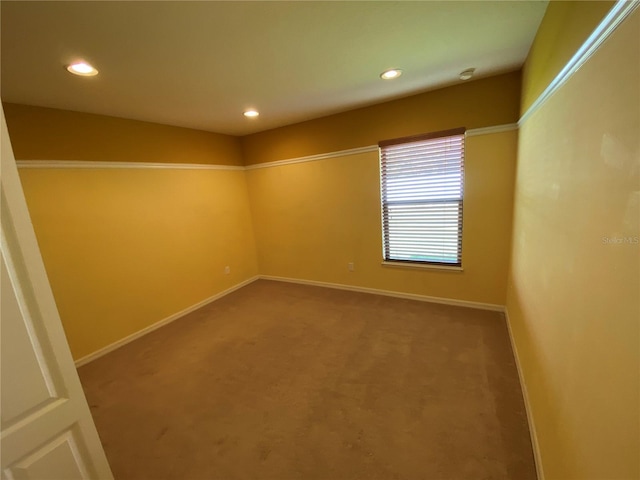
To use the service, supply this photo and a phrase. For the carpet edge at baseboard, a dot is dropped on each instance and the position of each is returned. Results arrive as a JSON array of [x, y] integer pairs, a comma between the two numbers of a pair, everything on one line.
[[390, 293], [527, 405], [410, 296], [161, 323]]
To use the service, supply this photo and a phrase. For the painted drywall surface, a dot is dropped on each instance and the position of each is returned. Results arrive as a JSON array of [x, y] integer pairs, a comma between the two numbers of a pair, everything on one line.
[[482, 103], [49, 134], [311, 219], [125, 248], [564, 28], [573, 295]]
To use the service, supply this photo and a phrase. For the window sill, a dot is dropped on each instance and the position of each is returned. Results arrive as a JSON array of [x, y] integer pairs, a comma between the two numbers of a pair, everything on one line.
[[423, 266]]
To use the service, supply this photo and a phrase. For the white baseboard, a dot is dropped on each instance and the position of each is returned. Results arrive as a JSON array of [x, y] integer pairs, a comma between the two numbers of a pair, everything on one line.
[[130, 338], [527, 406], [389, 293], [410, 296]]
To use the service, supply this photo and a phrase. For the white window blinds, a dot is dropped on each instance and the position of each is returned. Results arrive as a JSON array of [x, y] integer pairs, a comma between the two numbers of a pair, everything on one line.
[[422, 180]]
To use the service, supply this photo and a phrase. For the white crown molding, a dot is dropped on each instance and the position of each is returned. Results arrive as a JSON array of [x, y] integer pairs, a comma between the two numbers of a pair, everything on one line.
[[313, 158], [389, 293], [618, 13], [371, 148], [97, 165], [161, 323], [507, 127], [82, 164]]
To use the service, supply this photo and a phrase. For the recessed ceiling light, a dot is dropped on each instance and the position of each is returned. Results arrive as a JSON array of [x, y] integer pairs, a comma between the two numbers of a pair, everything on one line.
[[82, 69], [389, 74], [251, 113], [467, 74]]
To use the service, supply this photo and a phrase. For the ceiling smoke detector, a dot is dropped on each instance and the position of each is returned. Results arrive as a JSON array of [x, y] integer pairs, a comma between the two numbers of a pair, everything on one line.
[[467, 74]]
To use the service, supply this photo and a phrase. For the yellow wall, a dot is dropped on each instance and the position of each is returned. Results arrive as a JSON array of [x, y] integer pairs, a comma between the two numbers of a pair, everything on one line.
[[311, 219], [126, 248], [39, 133], [573, 296], [564, 28], [481, 103]]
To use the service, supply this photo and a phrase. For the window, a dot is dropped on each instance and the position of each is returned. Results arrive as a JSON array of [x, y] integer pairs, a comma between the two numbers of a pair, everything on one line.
[[422, 180]]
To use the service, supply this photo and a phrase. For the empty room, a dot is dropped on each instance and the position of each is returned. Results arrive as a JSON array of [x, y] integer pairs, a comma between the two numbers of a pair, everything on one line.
[[320, 240]]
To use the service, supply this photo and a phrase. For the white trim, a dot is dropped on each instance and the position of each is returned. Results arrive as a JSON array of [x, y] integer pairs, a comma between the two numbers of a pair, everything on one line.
[[527, 405], [410, 296], [424, 266], [313, 158], [82, 164], [507, 127], [621, 10], [371, 148], [389, 293], [134, 336]]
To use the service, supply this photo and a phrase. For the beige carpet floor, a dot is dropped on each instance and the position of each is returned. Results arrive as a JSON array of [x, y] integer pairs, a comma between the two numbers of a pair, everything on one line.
[[285, 381]]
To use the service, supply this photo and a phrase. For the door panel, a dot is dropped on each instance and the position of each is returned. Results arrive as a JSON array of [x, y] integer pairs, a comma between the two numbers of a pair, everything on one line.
[[24, 378], [46, 430], [60, 455]]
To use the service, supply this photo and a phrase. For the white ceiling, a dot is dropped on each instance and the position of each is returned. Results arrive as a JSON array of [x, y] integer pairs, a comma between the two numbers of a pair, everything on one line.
[[200, 64]]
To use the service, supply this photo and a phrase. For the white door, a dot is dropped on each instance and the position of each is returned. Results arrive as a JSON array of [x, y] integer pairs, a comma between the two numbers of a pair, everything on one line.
[[47, 432]]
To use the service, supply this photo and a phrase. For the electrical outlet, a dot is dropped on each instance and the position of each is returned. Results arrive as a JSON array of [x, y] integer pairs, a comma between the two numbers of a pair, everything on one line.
[[227, 270], [351, 266]]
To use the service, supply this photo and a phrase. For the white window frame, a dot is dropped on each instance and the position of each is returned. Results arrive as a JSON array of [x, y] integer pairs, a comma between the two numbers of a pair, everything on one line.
[[422, 199]]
